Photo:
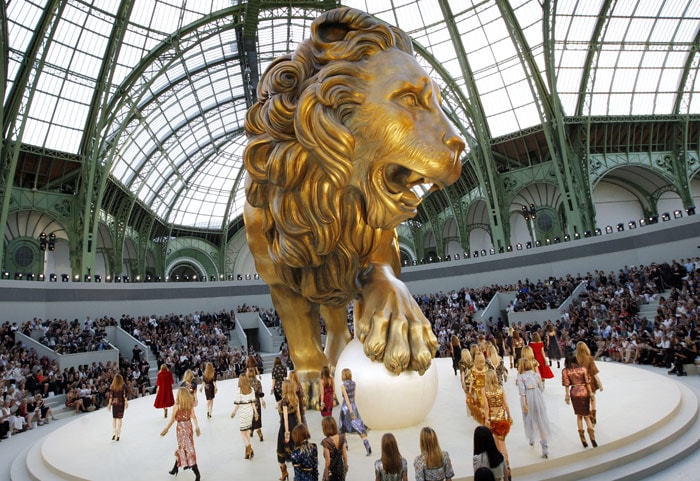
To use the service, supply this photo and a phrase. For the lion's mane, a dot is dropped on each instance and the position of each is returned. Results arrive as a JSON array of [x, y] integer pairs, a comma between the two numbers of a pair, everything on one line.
[[299, 155]]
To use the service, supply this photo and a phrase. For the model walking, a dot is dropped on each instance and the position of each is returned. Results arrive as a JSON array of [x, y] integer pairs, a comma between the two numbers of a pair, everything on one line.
[[475, 399], [579, 392], [164, 390], [279, 374], [300, 394], [432, 464], [517, 344], [530, 387], [259, 401], [350, 420], [335, 451], [190, 384], [585, 360], [304, 456], [327, 390], [455, 352], [245, 401], [538, 351], [209, 387], [552, 344], [183, 413], [288, 407], [496, 412], [117, 403]]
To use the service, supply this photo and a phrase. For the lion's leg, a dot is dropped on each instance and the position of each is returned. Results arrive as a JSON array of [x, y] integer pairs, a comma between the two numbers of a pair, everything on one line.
[[300, 320], [337, 333]]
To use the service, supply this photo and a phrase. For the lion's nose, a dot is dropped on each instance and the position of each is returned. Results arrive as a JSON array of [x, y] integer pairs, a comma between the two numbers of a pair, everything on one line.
[[454, 142]]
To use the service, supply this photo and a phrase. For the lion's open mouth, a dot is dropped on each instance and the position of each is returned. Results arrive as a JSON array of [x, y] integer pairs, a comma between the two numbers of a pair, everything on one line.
[[401, 182]]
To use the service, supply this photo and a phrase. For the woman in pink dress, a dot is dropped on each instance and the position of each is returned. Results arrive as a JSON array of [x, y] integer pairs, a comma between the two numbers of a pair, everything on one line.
[[164, 390], [538, 350], [183, 413]]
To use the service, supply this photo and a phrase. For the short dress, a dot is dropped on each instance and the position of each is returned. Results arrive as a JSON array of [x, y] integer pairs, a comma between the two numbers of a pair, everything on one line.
[[577, 378], [257, 388], [336, 467], [305, 461], [553, 350], [498, 417], [210, 388], [284, 449], [245, 410], [118, 398]]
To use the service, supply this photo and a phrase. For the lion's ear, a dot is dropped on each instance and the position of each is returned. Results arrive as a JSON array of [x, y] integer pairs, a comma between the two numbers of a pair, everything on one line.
[[330, 32]]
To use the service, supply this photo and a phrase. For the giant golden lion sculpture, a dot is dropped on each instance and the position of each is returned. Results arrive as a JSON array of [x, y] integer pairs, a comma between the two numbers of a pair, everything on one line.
[[342, 130]]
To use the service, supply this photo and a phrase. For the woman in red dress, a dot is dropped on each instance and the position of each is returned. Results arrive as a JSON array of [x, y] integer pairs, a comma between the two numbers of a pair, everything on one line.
[[327, 390], [164, 390], [538, 350]]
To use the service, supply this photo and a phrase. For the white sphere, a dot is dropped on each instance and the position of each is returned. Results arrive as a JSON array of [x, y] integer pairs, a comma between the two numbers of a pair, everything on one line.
[[386, 400]]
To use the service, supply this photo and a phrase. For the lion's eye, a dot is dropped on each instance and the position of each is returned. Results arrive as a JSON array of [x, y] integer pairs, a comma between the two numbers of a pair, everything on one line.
[[410, 100]]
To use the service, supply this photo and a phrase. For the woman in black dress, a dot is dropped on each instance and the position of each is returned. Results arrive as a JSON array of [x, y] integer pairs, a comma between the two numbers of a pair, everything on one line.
[[209, 386], [279, 374], [117, 403], [259, 401], [335, 451], [290, 416]]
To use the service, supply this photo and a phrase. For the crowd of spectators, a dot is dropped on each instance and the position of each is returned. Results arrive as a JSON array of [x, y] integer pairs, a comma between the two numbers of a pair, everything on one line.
[[606, 316]]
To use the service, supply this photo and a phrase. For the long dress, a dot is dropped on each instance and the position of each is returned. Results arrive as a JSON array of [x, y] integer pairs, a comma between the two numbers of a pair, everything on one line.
[[259, 394], [118, 397], [185, 453], [531, 386], [350, 424], [245, 410], [577, 378], [553, 350], [164, 386], [305, 461], [499, 423], [384, 476], [284, 449], [543, 368], [336, 467], [327, 400], [475, 398]]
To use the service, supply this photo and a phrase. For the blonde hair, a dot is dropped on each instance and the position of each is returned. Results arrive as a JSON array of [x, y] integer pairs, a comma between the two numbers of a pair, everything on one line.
[[525, 365], [346, 374], [491, 380], [208, 372], [184, 399], [188, 376], [289, 392], [527, 353], [164, 367], [244, 385], [493, 355], [430, 447], [117, 383], [582, 353], [479, 359], [466, 357], [536, 337]]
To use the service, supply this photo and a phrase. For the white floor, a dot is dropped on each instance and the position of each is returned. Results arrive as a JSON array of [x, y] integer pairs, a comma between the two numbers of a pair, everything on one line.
[[81, 446]]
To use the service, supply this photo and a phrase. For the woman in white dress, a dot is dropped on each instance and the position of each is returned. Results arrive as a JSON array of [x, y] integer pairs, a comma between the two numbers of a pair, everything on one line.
[[245, 401], [530, 387]]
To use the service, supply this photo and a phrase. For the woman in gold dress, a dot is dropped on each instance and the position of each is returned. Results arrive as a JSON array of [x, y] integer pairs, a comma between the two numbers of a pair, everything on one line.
[[475, 396], [496, 411], [579, 393]]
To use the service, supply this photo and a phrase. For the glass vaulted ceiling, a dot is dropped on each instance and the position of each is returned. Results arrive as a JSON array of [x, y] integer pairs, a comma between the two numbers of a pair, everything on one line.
[[167, 112]]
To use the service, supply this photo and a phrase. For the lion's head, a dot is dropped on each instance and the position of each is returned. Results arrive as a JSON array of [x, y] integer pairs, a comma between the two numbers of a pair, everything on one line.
[[342, 132]]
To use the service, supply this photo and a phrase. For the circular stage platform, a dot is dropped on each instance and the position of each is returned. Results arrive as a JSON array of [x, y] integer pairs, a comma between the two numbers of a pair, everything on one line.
[[645, 421]]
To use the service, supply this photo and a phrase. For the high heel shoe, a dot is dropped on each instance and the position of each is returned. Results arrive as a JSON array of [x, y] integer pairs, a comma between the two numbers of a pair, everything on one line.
[[285, 473], [174, 470], [260, 435], [195, 470]]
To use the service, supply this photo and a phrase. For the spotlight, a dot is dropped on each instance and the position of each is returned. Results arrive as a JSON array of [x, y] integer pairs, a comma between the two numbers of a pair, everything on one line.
[[86, 278], [439, 258], [577, 236], [256, 276], [557, 240], [632, 224], [221, 277], [620, 227], [642, 222], [177, 277], [466, 254], [587, 233], [239, 277], [528, 245], [18, 276], [159, 279], [598, 231], [690, 210], [677, 213], [483, 252], [212, 278], [448, 257], [52, 241], [247, 277], [518, 246], [492, 251], [567, 238], [5, 275], [538, 244], [30, 276], [52, 278], [186, 277], [76, 278], [149, 278], [475, 254], [117, 279], [126, 279], [108, 278], [65, 277], [456, 257], [230, 277], [42, 241], [509, 248], [654, 219], [547, 241], [98, 278], [608, 229], [414, 262], [665, 216]]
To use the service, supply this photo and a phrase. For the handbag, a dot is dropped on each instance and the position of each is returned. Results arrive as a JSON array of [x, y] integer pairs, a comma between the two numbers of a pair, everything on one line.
[[356, 423]]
